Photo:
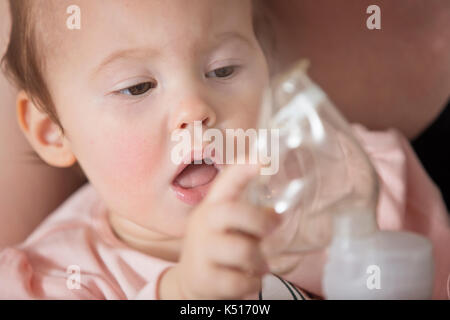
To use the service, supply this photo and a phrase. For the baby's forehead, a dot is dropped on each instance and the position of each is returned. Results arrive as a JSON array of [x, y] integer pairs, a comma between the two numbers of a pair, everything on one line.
[[107, 26], [127, 19], [48, 17], [57, 12]]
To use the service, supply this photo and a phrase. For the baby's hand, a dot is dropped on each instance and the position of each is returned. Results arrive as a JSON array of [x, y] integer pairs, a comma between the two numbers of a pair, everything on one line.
[[221, 256]]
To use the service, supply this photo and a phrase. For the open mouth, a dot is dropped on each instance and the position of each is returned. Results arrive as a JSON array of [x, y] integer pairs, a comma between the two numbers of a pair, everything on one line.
[[192, 181]]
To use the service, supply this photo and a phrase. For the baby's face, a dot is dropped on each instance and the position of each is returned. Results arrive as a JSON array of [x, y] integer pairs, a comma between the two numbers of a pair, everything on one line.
[[137, 71]]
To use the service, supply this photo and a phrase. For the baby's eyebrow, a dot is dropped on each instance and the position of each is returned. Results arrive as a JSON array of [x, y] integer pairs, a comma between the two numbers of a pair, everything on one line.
[[120, 54], [232, 35]]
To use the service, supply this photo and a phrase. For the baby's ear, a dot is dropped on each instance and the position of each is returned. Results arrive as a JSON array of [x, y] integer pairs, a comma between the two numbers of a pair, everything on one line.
[[44, 135]]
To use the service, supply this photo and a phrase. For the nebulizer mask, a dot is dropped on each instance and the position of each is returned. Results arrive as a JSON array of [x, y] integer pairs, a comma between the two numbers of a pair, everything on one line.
[[326, 189]]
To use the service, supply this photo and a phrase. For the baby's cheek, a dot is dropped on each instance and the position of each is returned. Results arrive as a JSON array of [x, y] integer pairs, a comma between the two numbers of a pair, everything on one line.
[[126, 164], [134, 159]]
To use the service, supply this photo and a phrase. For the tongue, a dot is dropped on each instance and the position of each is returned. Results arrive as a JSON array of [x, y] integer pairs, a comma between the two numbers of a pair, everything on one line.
[[196, 175]]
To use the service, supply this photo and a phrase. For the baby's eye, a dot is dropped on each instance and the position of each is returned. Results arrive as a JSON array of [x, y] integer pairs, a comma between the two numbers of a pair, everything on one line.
[[138, 89], [221, 72]]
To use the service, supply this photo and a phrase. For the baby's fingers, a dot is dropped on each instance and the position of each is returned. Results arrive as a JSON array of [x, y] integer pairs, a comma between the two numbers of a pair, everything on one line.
[[245, 218], [231, 182], [233, 284], [238, 252]]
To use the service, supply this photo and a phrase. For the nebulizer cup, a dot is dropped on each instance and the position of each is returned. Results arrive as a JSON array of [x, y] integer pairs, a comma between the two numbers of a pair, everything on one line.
[[326, 189]]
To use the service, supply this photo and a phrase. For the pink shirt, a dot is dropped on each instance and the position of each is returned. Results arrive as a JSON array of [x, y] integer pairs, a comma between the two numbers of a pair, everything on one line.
[[77, 237]]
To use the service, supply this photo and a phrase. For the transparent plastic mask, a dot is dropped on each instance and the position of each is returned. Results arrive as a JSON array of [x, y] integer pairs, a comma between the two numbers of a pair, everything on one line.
[[323, 172]]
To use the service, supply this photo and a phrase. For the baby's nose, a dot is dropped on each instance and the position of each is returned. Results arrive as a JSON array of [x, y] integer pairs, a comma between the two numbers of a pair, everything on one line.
[[190, 110]]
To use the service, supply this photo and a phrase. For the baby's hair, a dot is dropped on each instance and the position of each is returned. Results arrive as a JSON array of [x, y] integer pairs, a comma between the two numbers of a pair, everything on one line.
[[24, 63], [264, 31]]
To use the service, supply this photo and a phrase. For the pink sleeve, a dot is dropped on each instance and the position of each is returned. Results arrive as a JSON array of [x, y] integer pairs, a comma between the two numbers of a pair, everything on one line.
[[20, 280], [151, 289], [409, 200]]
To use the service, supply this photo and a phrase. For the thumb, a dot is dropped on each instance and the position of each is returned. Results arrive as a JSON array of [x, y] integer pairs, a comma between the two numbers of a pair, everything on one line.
[[232, 181]]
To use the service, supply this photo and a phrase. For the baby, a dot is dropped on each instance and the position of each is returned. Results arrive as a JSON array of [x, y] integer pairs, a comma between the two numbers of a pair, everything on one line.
[[108, 96]]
